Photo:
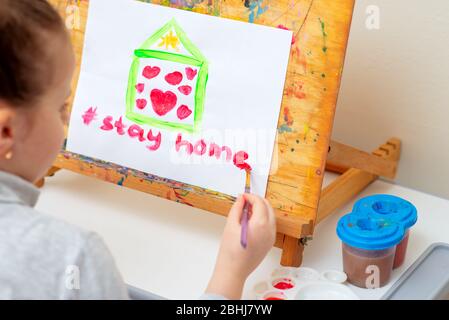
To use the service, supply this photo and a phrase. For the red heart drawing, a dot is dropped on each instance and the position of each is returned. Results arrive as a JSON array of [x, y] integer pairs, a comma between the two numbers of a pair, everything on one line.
[[163, 102], [186, 90], [140, 87], [151, 72], [174, 78], [191, 74], [183, 112], [141, 103]]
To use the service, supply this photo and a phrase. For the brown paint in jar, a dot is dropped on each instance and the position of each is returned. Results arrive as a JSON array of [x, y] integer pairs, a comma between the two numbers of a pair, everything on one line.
[[357, 264], [401, 251]]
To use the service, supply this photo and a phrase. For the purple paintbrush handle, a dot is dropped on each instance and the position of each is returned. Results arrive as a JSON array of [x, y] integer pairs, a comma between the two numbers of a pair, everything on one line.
[[244, 223]]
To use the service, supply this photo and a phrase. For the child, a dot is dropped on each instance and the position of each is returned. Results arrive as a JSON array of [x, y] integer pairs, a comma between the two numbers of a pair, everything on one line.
[[36, 67]]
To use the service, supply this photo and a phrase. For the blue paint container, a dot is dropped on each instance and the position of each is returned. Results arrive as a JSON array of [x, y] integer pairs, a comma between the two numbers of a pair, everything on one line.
[[368, 247], [394, 210]]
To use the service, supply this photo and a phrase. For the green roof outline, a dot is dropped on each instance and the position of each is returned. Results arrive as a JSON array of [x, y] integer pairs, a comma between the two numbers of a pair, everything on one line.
[[196, 60], [185, 41]]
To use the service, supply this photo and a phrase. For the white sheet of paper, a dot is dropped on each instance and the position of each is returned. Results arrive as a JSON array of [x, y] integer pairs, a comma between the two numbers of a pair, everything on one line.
[[247, 65]]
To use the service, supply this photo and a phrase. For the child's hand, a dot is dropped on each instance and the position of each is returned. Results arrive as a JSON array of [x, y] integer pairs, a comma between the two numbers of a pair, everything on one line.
[[234, 263]]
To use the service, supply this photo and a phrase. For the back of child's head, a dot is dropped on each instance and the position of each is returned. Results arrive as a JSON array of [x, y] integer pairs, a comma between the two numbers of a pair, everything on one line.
[[26, 26], [36, 67]]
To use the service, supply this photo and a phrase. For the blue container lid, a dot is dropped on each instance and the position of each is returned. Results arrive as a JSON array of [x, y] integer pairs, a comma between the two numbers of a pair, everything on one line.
[[364, 232], [387, 207]]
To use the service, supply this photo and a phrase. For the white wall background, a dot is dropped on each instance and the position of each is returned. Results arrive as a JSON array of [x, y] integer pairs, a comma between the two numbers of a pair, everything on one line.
[[396, 83]]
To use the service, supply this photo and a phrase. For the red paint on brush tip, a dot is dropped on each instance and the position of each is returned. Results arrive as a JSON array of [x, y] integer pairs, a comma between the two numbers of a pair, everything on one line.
[[239, 161]]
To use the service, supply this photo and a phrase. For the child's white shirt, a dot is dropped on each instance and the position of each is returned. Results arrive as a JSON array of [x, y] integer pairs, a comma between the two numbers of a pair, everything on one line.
[[44, 258]]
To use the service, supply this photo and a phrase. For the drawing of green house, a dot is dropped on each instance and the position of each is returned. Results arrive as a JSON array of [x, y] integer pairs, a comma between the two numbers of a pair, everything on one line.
[[167, 81]]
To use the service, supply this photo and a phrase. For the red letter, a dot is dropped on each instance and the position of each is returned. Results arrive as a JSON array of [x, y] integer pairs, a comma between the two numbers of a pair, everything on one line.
[[180, 143], [120, 127], [157, 140], [203, 147], [107, 125], [136, 131], [228, 153], [239, 161], [216, 150]]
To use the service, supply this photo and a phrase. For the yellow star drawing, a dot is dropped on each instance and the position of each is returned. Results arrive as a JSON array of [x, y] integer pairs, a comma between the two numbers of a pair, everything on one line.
[[170, 40]]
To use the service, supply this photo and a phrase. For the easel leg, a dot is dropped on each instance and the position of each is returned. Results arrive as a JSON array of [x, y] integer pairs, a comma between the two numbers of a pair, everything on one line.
[[50, 173], [353, 181], [292, 251], [384, 160]]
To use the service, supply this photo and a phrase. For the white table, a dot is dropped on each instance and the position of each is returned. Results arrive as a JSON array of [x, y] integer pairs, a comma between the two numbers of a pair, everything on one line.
[[169, 249]]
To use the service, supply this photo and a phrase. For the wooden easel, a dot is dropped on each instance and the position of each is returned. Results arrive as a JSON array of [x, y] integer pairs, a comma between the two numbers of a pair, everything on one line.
[[321, 30], [358, 169]]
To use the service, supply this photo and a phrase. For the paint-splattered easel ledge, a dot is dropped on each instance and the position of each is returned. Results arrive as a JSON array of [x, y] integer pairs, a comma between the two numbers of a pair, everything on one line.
[[321, 29]]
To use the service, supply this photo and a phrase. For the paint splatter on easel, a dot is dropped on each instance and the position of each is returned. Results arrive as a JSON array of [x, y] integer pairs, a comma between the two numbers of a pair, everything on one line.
[[288, 122], [256, 9], [85, 162], [310, 135], [323, 32], [295, 89], [212, 7], [305, 19], [281, 26], [178, 196]]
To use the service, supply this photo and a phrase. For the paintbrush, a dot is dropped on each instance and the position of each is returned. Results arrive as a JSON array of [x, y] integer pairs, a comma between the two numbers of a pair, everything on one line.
[[245, 214]]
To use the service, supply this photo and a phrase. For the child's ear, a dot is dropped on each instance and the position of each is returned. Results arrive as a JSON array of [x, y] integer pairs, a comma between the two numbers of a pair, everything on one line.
[[7, 114]]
